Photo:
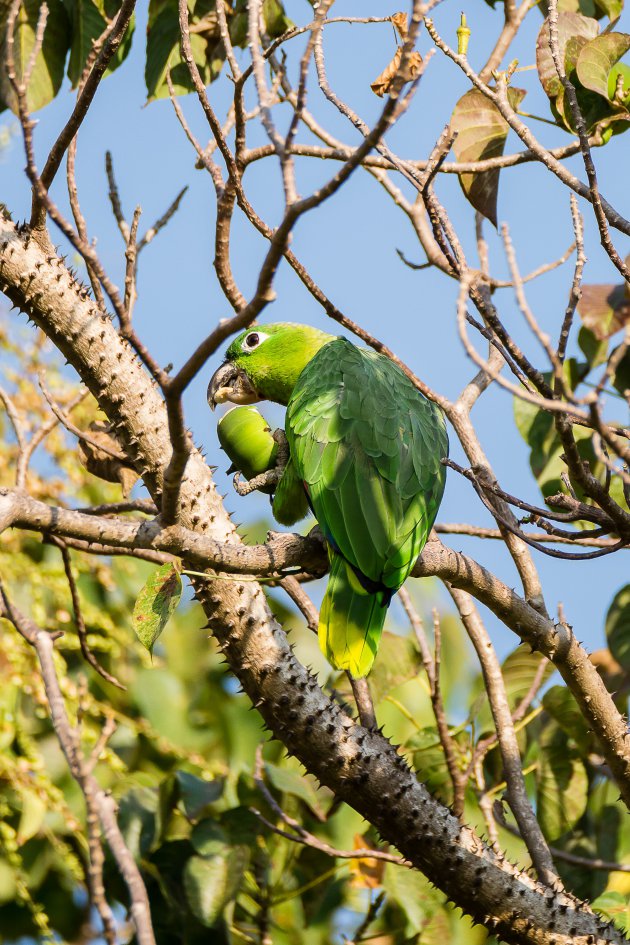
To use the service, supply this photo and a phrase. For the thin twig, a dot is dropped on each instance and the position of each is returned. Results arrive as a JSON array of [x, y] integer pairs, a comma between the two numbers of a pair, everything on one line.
[[78, 618], [299, 834], [508, 745], [114, 197], [432, 668], [70, 426]]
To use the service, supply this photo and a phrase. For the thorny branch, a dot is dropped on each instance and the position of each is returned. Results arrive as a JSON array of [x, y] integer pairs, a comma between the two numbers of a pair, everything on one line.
[[192, 524]]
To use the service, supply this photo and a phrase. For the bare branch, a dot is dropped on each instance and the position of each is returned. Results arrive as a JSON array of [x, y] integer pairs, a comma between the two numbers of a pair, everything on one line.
[[79, 621], [363, 700], [114, 198], [508, 745]]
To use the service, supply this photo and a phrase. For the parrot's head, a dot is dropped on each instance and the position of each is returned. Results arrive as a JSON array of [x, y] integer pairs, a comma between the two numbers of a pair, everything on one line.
[[264, 363]]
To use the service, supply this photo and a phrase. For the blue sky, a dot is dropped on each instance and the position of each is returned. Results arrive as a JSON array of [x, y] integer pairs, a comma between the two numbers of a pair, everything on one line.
[[349, 246]]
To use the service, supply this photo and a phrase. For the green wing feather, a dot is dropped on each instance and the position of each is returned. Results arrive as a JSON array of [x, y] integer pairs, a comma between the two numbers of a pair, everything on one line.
[[367, 445]]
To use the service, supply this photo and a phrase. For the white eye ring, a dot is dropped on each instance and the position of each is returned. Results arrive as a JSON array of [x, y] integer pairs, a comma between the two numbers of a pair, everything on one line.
[[253, 340]]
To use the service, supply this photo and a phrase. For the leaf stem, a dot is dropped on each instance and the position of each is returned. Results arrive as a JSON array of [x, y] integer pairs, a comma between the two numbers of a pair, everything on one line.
[[547, 121]]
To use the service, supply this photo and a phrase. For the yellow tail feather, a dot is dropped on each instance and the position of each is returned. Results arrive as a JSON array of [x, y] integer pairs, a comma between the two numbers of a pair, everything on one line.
[[351, 620]]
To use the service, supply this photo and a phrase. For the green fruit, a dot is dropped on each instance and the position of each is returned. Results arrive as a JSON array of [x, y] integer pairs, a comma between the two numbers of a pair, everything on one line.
[[246, 437]]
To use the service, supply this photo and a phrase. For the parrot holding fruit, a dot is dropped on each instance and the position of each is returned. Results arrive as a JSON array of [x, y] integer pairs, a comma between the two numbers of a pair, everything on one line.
[[364, 453]]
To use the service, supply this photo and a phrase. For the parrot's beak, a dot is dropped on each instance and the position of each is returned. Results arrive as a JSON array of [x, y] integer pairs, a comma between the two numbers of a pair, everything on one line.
[[229, 383]]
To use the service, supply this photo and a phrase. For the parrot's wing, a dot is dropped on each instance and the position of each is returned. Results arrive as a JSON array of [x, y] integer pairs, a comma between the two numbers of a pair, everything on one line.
[[367, 446]]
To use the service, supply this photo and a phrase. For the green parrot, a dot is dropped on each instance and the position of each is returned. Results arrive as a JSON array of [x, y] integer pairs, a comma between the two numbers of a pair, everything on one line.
[[365, 449]]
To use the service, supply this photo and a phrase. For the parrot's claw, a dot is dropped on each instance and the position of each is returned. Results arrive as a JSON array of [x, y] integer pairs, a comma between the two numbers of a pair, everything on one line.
[[282, 456], [270, 478]]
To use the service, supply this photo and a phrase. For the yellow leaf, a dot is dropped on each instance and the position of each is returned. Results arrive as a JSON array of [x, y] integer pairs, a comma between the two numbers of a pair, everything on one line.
[[367, 871]]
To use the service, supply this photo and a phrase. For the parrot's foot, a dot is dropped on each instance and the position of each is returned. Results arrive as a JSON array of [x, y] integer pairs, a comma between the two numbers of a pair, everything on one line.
[[271, 477], [282, 456]]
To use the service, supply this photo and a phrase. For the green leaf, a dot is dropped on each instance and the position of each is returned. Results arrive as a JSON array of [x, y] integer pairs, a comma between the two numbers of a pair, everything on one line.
[[32, 816], [241, 826], [48, 70], [292, 782], [163, 48], [537, 429], [235, 828], [275, 19], [534, 425], [585, 7], [621, 381], [8, 882], [613, 828], [581, 880], [398, 661], [430, 763], [481, 133], [196, 794], [87, 25], [238, 24], [615, 906], [162, 51], [574, 31], [596, 112], [588, 61], [418, 901], [137, 820], [610, 8], [519, 670], [212, 882], [561, 786], [156, 603], [596, 351], [597, 58], [618, 627], [562, 707], [88, 22], [208, 838]]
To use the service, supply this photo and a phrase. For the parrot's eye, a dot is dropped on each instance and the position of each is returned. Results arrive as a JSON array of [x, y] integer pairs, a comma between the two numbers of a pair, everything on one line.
[[252, 340]]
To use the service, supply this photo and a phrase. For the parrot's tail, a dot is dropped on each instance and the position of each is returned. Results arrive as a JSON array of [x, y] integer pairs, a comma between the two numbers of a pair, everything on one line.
[[351, 619]]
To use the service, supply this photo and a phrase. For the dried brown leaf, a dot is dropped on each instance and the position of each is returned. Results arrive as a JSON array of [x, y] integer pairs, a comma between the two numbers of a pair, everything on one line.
[[607, 666], [604, 309], [391, 75], [101, 462], [401, 24]]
